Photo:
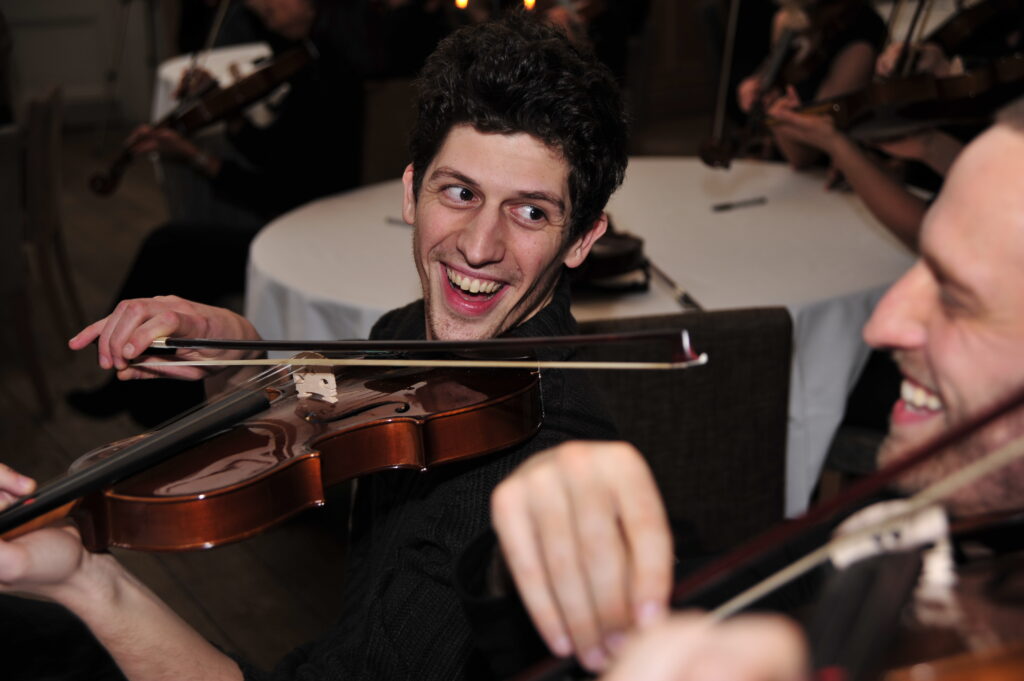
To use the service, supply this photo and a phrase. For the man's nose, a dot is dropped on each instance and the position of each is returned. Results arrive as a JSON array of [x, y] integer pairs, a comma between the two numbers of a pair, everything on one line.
[[900, 318], [482, 239]]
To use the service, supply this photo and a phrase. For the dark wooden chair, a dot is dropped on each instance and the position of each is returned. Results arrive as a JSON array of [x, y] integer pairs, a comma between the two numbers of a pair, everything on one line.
[[44, 236], [14, 279], [715, 435]]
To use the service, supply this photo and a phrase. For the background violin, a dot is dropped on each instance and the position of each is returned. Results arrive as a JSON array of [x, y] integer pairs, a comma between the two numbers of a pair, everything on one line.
[[213, 105], [902, 106]]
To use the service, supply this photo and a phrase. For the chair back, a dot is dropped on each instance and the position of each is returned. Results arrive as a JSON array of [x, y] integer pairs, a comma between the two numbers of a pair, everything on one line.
[[42, 165], [12, 217], [714, 435]]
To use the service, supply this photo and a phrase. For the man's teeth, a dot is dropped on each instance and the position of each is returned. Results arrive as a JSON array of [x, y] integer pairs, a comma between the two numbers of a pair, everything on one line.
[[916, 397], [471, 285]]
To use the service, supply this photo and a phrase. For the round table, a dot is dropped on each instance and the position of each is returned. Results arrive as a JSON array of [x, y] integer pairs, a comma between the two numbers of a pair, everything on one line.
[[329, 269]]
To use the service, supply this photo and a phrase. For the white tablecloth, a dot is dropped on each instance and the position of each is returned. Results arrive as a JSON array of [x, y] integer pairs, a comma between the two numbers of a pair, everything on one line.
[[331, 268]]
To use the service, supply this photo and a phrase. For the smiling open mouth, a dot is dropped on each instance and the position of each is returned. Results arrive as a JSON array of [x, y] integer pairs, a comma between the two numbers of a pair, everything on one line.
[[472, 286], [918, 398]]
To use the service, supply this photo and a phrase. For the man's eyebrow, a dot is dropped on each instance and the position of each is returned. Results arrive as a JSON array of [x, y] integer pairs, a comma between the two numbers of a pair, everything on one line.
[[444, 171]]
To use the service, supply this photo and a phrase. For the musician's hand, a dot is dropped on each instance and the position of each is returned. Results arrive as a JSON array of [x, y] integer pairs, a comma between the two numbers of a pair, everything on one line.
[[747, 93], [690, 647], [813, 130], [587, 541], [193, 81], [128, 331], [40, 560]]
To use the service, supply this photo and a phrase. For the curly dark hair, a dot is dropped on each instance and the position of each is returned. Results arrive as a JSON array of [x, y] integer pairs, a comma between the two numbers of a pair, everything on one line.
[[522, 75]]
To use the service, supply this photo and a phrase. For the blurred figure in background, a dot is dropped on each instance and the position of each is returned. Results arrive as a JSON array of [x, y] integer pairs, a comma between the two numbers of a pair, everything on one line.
[[312, 148]]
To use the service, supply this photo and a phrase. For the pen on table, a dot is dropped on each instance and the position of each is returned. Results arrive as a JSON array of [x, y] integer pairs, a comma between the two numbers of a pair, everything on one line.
[[685, 300], [744, 203], [392, 220]]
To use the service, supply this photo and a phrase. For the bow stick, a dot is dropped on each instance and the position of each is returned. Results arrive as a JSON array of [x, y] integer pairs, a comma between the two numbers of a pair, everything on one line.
[[681, 354]]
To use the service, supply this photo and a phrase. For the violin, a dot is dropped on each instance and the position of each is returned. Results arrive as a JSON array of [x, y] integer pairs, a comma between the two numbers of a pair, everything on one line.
[[270, 449], [909, 102], [960, 28], [281, 459], [213, 105], [903, 106]]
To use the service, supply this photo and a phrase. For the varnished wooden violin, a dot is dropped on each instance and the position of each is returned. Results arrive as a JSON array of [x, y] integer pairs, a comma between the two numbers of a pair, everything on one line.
[[272, 447]]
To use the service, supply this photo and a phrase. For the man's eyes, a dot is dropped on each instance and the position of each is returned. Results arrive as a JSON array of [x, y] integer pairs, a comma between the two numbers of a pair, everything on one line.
[[527, 213], [458, 193], [530, 214]]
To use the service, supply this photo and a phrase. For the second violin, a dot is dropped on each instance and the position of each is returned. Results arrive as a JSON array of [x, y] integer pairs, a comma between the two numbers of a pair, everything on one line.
[[212, 106]]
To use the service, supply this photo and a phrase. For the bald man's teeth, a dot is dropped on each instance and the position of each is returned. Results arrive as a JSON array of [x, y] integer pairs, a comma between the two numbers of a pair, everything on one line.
[[918, 398], [471, 285]]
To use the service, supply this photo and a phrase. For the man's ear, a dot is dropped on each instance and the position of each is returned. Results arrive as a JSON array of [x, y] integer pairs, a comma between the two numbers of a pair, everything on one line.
[[408, 196], [579, 250]]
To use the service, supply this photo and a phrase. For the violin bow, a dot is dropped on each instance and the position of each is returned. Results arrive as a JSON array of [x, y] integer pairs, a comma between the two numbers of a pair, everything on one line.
[[681, 353]]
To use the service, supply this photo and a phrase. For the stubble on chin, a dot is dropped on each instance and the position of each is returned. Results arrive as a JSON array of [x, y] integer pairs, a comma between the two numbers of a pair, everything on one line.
[[998, 491]]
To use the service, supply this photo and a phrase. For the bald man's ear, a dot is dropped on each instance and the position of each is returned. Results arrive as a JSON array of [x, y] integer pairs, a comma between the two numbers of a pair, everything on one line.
[[408, 196], [579, 250]]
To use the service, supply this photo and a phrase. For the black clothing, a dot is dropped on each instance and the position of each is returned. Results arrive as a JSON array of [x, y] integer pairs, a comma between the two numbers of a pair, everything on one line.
[[313, 148], [401, 617]]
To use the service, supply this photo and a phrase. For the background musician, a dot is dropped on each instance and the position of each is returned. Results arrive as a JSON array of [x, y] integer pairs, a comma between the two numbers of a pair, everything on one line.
[[833, 53], [504, 193], [954, 326], [312, 148]]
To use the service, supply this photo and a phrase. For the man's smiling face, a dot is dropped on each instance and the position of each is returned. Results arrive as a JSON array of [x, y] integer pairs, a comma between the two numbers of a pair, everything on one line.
[[491, 231], [956, 320]]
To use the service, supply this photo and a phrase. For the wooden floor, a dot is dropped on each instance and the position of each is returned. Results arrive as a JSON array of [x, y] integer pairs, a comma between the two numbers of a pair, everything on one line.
[[259, 598]]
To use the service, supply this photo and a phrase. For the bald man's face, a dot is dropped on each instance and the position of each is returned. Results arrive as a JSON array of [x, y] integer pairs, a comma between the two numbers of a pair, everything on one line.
[[955, 321]]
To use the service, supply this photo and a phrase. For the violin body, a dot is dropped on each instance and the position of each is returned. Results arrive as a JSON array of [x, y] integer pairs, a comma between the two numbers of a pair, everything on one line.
[[270, 467]]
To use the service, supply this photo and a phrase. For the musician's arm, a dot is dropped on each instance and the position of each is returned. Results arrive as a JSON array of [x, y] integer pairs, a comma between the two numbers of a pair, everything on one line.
[[887, 198], [148, 640], [145, 637]]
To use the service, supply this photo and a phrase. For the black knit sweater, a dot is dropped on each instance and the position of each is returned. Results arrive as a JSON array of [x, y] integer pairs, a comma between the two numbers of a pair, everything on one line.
[[401, 616]]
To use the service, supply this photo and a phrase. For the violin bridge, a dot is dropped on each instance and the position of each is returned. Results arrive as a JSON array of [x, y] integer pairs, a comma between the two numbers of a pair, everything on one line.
[[315, 381]]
